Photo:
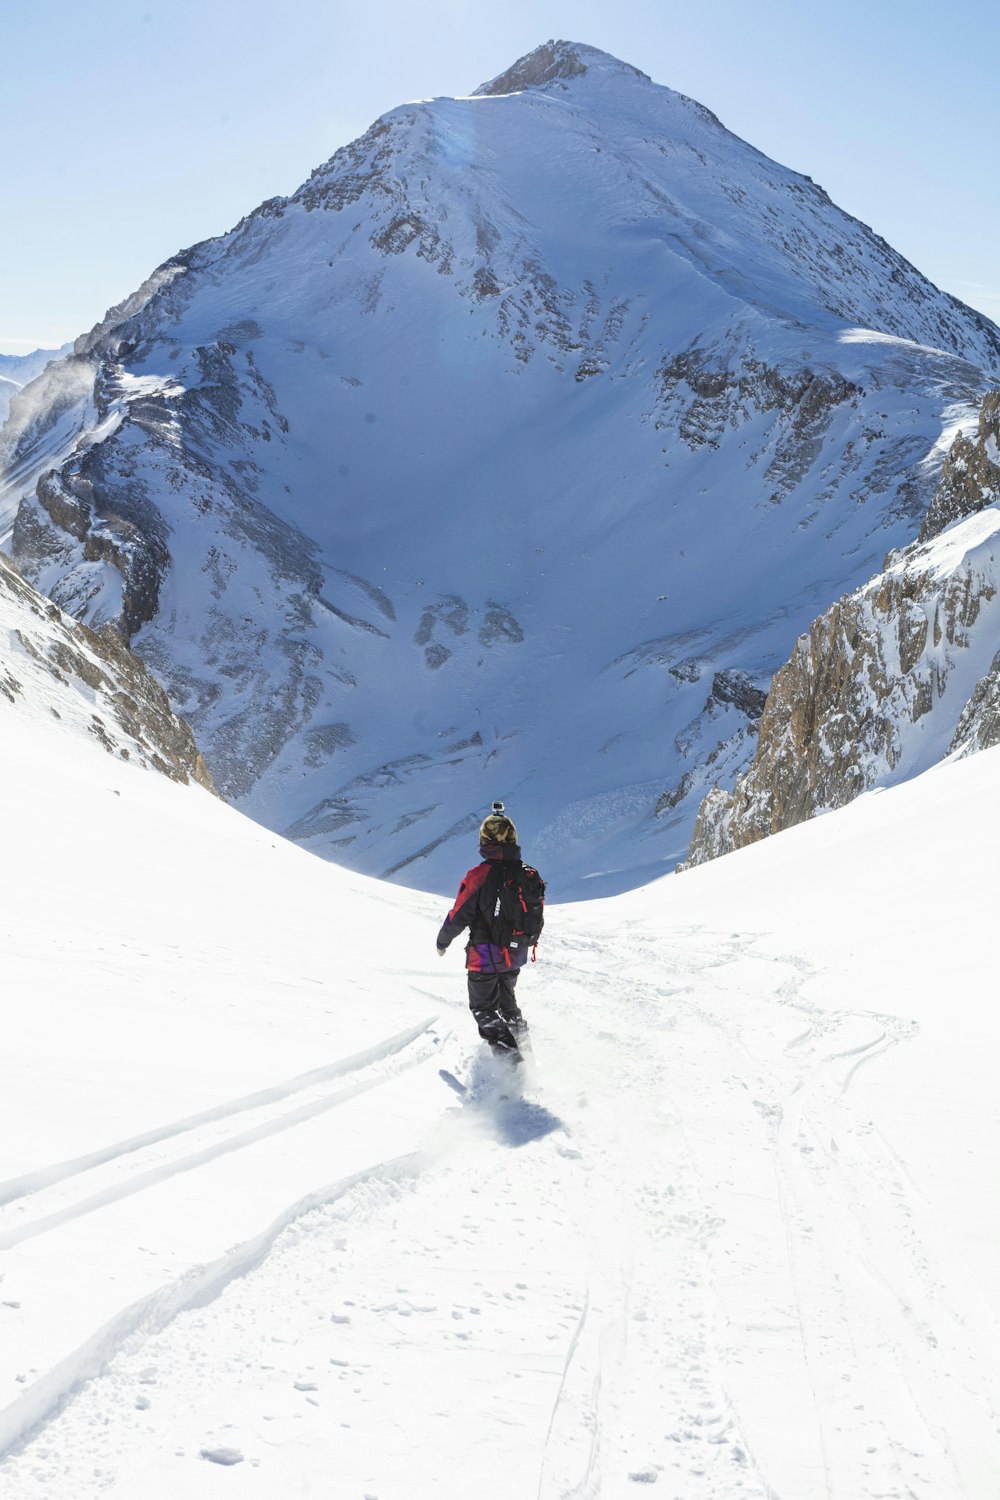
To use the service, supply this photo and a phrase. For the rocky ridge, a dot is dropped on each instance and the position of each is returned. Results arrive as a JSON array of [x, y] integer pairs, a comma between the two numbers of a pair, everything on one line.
[[892, 677], [89, 683]]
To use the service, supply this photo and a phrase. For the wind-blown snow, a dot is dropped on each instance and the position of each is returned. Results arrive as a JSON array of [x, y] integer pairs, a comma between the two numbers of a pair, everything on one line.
[[737, 1237], [16, 370], [20, 368]]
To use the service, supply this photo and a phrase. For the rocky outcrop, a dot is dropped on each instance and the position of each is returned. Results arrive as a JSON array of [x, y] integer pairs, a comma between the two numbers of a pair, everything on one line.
[[116, 526], [89, 681], [552, 62], [970, 478], [890, 678], [704, 394], [734, 688], [979, 724]]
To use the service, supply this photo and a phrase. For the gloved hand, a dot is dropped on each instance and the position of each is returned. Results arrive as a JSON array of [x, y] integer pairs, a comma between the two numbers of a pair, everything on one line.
[[442, 952]]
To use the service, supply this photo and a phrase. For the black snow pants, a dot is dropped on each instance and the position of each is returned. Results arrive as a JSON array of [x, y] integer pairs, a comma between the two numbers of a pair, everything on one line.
[[492, 1002]]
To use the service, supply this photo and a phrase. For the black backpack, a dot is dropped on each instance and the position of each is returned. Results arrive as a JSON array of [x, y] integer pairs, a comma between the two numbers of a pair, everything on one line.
[[518, 912]]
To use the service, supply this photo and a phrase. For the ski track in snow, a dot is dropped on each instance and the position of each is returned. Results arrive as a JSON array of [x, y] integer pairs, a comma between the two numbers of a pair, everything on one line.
[[856, 1229], [44, 1186], [259, 1106], [574, 1268], [47, 1396]]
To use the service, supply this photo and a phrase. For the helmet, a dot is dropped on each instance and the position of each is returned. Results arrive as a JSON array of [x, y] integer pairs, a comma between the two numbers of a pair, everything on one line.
[[497, 829]]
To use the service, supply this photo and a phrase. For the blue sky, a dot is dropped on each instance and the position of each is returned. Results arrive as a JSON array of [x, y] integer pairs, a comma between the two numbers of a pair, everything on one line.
[[135, 128]]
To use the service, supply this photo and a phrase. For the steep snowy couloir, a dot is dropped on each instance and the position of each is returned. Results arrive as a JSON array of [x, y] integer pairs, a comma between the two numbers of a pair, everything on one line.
[[507, 456]]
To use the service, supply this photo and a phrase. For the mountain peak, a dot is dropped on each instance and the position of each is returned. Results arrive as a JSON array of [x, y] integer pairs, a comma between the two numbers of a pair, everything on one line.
[[552, 61]]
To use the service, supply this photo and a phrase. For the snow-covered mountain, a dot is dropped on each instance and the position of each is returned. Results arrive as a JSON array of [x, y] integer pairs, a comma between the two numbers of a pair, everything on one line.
[[508, 456], [739, 1237]]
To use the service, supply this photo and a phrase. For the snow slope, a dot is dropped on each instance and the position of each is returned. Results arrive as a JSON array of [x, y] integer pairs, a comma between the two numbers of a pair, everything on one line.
[[738, 1237], [414, 494]]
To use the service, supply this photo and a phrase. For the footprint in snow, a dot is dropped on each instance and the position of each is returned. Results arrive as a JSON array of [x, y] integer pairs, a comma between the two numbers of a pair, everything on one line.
[[222, 1455]]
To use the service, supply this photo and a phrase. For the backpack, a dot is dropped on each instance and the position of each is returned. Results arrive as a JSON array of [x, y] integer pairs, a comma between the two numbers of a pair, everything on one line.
[[518, 914]]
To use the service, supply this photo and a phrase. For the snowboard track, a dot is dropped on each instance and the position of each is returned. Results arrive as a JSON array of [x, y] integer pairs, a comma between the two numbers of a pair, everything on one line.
[[48, 1396], [397, 1052], [858, 1237]]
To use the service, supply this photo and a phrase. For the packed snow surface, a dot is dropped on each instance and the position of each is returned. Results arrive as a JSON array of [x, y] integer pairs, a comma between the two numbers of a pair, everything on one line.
[[268, 1227]]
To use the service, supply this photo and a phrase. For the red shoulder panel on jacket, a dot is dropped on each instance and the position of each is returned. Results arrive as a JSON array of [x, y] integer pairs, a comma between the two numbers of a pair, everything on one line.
[[470, 885]]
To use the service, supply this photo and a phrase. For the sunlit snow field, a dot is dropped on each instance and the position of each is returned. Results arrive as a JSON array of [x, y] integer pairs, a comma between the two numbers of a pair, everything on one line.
[[738, 1237]]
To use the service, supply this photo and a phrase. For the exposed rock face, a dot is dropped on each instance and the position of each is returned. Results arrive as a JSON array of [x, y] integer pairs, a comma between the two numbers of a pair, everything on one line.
[[736, 688], [890, 678], [970, 479], [548, 64], [90, 681], [978, 727], [115, 524]]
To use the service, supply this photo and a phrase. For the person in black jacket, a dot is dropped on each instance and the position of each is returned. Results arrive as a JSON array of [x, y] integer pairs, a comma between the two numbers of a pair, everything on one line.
[[492, 970]]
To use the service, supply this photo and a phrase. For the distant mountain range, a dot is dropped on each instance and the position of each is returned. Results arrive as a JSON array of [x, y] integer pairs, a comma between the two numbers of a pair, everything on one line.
[[509, 456], [17, 370]]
